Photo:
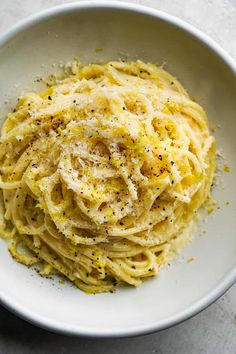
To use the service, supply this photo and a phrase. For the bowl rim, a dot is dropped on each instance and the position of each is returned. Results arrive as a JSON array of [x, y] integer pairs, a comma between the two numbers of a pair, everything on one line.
[[226, 282]]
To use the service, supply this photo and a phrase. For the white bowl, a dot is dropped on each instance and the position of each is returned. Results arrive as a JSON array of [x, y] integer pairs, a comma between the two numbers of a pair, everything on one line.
[[57, 35]]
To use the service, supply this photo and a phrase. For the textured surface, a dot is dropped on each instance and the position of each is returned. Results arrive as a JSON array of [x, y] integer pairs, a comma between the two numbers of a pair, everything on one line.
[[212, 331]]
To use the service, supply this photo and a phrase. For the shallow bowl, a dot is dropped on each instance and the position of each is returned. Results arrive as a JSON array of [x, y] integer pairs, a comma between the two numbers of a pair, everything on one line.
[[34, 48]]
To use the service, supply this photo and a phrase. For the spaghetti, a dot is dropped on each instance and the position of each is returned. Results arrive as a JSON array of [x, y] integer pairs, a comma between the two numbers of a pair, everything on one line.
[[102, 174]]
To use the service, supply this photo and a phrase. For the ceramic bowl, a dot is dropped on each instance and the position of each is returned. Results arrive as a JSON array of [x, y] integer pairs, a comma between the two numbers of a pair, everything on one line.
[[34, 48]]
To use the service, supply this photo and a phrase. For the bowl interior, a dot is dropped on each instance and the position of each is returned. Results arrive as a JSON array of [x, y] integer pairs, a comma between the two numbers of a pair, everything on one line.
[[184, 287]]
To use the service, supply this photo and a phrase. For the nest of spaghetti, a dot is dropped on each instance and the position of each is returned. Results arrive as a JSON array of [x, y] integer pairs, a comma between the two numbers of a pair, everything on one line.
[[103, 174]]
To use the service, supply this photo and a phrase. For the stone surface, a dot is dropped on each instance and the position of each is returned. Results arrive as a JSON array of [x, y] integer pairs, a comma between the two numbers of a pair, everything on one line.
[[213, 331]]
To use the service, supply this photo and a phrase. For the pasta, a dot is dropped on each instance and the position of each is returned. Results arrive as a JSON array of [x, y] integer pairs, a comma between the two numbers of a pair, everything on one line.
[[102, 174]]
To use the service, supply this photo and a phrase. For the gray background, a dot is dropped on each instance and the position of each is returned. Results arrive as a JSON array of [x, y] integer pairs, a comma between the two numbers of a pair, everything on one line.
[[213, 330]]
